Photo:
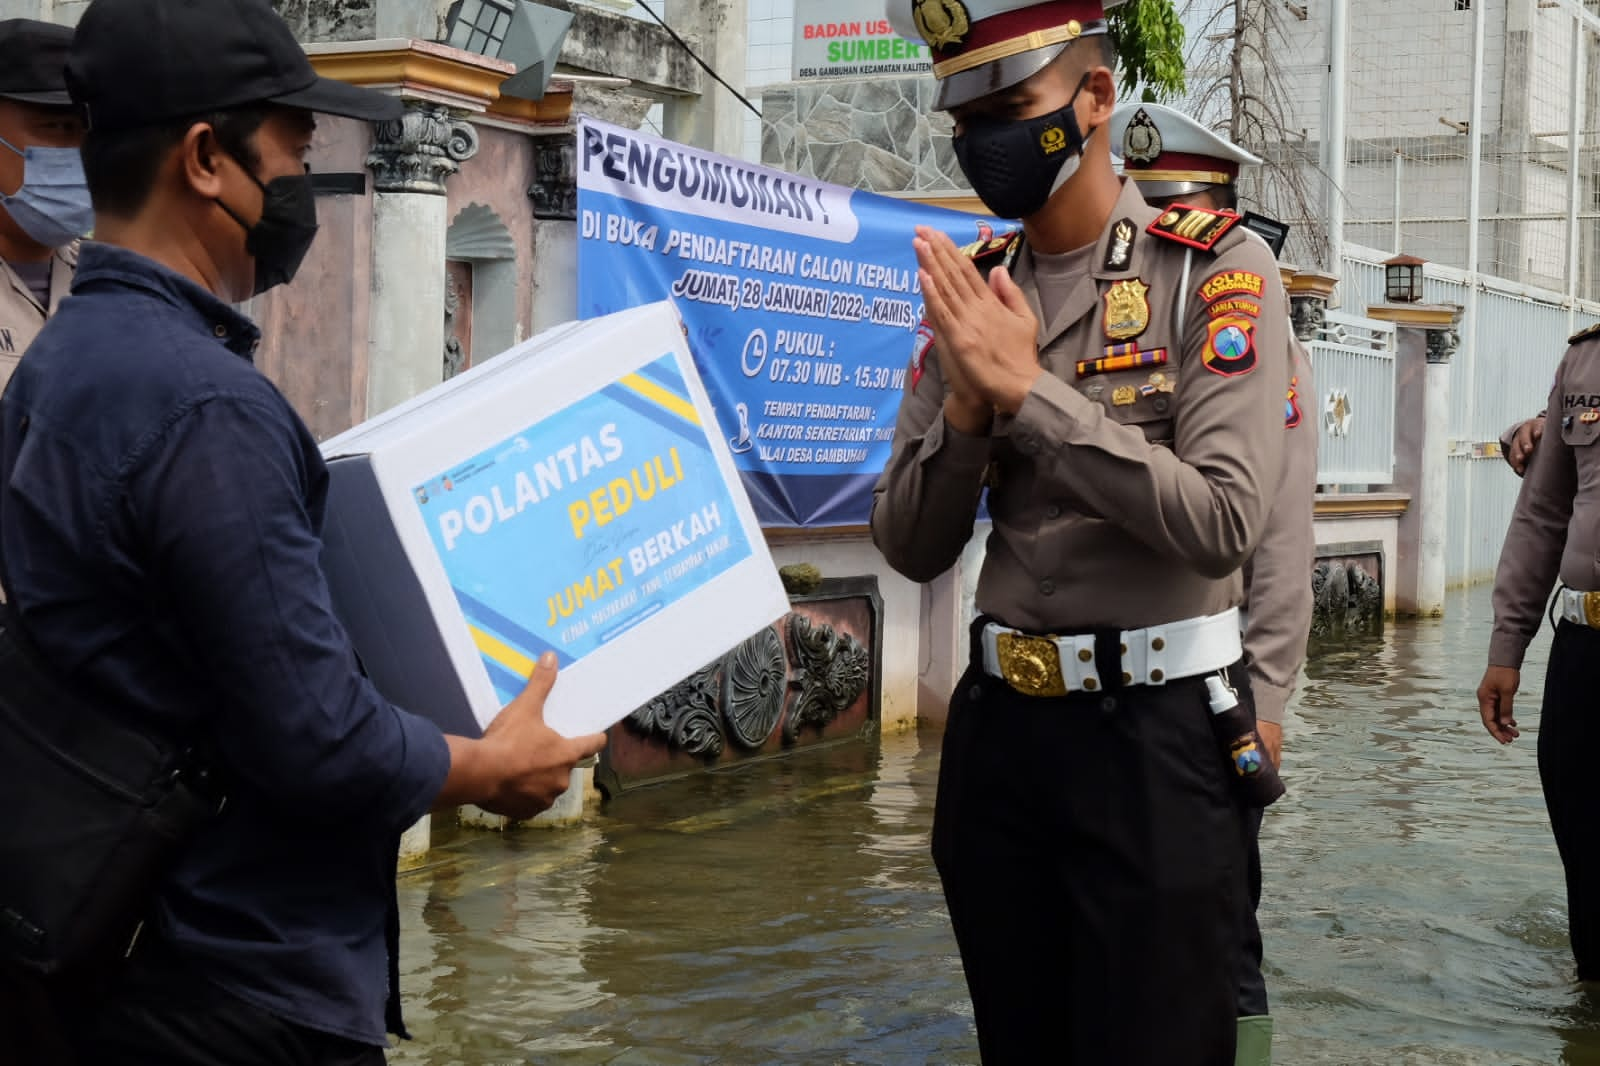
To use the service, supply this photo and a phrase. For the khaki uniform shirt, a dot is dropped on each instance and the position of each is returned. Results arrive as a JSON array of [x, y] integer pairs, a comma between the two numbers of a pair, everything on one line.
[[1277, 579], [1114, 506], [1556, 525], [20, 317]]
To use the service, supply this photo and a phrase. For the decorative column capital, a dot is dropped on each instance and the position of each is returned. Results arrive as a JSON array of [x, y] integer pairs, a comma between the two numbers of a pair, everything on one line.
[[1309, 315], [1442, 344], [1309, 293], [419, 150], [1438, 323]]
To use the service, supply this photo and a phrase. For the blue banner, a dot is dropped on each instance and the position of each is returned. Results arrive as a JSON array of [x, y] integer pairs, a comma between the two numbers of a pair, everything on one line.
[[800, 298]]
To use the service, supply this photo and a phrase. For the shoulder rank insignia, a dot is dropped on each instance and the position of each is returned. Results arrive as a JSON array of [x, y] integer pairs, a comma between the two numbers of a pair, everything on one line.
[[1119, 249], [1194, 226], [1585, 334], [990, 251]]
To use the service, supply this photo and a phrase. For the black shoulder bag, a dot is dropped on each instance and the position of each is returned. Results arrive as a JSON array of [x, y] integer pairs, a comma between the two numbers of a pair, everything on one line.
[[96, 811]]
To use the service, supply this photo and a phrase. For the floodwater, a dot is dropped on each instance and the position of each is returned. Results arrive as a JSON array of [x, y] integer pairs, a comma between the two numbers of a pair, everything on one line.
[[789, 912]]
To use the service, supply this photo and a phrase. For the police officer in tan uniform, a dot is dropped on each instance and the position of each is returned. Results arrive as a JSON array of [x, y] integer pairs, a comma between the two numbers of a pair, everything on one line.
[[1517, 443], [1177, 160], [44, 203], [1117, 382], [1555, 532]]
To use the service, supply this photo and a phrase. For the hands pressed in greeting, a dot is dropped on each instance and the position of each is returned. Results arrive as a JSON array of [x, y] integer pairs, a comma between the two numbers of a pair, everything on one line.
[[986, 332]]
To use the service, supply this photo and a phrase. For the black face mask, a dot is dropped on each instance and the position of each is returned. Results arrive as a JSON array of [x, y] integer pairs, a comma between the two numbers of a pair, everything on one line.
[[1015, 167], [280, 239]]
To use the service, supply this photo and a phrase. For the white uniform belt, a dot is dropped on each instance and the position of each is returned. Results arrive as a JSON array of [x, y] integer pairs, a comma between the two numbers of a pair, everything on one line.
[[1582, 608], [1057, 666]]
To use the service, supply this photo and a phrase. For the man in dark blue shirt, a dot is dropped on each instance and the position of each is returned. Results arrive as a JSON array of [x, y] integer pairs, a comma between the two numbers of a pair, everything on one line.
[[160, 515]]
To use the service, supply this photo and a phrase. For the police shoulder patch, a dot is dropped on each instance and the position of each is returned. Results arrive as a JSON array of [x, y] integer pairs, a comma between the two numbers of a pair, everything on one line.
[[1195, 227], [1585, 334], [1230, 347]]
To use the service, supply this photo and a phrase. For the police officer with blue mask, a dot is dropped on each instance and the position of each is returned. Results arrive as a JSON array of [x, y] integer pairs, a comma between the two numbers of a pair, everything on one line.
[[44, 203]]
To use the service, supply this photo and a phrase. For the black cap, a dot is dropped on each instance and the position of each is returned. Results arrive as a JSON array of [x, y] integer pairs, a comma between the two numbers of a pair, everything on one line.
[[139, 62], [33, 61]]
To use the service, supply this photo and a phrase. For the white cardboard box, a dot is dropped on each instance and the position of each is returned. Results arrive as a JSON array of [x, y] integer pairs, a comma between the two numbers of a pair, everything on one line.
[[565, 495]]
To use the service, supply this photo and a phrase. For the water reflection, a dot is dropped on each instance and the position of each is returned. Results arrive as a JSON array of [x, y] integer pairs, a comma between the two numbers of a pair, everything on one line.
[[789, 912]]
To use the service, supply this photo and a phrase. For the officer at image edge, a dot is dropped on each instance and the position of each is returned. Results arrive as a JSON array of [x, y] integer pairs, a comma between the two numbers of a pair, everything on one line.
[[160, 532]]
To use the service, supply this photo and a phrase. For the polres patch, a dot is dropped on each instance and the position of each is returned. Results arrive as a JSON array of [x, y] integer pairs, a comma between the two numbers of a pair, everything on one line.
[[1230, 347], [1233, 283]]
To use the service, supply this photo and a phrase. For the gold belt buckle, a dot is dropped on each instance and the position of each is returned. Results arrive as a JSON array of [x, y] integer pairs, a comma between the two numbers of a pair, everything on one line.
[[1031, 665], [1591, 609]]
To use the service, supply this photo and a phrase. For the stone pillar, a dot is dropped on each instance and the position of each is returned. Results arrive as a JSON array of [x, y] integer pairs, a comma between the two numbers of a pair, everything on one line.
[[554, 195], [410, 160], [1434, 509], [715, 119], [1426, 340]]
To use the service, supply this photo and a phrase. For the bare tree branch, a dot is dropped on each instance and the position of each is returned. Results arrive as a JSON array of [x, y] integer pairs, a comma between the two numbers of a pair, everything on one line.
[[1237, 67]]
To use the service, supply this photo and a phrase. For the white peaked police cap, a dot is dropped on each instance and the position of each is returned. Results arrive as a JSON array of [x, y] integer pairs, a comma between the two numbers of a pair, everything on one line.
[[1170, 154], [983, 46]]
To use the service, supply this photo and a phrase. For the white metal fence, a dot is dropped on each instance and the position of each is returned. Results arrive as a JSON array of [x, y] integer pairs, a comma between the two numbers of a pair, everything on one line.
[[1513, 337], [1353, 370]]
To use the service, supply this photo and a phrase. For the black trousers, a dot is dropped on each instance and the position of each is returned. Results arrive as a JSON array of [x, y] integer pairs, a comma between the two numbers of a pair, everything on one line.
[[158, 1011], [1252, 982], [1093, 858], [1569, 746]]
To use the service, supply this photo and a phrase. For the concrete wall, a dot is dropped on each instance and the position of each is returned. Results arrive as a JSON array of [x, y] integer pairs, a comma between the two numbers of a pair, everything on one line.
[[1409, 65], [1334, 532]]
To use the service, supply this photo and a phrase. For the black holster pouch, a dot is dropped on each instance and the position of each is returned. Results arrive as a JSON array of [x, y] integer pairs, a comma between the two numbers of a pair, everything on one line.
[[97, 810], [1254, 777]]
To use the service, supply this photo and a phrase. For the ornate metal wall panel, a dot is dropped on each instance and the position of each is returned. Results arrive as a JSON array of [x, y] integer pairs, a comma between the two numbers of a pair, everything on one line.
[[813, 678]]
